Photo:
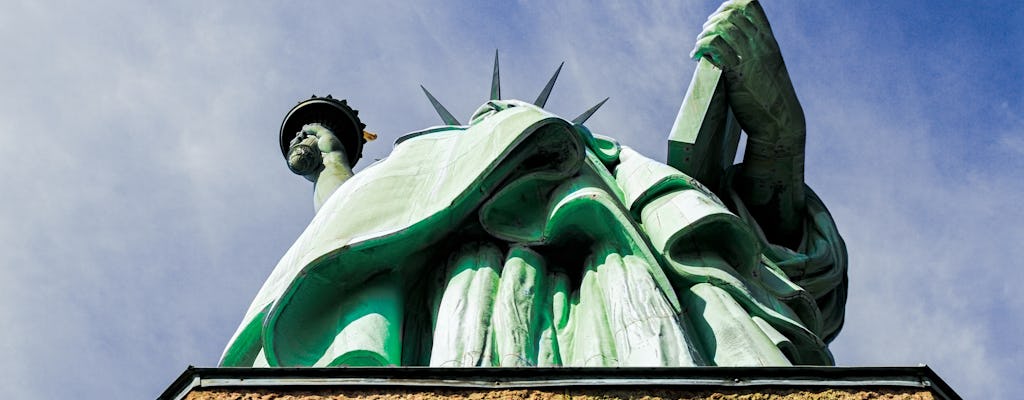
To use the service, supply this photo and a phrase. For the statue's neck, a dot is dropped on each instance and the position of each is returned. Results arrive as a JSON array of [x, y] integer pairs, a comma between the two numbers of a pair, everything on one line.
[[336, 171]]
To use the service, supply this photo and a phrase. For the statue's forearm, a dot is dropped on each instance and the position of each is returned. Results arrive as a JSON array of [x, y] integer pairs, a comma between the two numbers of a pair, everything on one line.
[[762, 97], [739, 40], [772, 177], [772, 187], [336, 171], [320, 157]]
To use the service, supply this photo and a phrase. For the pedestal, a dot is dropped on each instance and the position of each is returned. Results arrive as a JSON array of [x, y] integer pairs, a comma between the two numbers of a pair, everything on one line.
[[561, 383]]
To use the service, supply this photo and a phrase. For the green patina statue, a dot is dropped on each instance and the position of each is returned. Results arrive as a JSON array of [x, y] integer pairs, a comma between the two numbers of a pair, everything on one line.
[[522, 239]]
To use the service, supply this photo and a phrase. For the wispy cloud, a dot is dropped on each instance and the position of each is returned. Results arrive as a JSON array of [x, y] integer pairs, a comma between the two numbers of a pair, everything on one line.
[[146, 199]]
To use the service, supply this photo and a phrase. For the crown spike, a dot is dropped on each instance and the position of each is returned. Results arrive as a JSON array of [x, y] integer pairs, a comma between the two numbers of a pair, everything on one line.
[[495, 79], [586, 114], [443, 112], [542, 99]]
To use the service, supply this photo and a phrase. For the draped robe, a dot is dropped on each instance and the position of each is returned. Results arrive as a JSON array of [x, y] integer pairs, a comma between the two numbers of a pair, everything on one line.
[[522, 239]]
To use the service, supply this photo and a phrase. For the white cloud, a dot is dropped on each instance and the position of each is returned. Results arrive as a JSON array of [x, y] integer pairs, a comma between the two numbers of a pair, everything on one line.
[[147, 200]]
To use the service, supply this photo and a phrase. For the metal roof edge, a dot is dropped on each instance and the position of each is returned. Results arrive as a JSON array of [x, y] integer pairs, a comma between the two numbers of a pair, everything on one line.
[[507, 378]]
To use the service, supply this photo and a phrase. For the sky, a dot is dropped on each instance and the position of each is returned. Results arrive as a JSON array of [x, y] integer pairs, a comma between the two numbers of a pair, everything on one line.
[[145, 200]]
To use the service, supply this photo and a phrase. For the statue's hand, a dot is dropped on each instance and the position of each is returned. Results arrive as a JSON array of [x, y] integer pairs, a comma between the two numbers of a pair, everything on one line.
[[738, 39], [303, 156], [300, 137], [319, 137]]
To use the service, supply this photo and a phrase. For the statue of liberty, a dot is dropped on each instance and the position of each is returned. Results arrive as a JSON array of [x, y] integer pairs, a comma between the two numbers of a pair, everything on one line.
[[522, 239]]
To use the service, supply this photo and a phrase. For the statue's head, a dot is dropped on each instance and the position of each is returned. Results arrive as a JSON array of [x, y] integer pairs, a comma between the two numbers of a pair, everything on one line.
[[492, 107], [496, 104]]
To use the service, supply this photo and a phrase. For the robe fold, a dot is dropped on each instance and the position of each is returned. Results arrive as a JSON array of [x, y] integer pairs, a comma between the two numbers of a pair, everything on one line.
[[525, 240]]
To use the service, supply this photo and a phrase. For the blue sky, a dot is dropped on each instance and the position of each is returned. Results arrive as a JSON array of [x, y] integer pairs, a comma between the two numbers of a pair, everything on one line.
[[145, 199]]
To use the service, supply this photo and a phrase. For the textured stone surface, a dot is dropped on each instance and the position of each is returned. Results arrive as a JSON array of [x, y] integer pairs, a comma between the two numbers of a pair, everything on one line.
[[543, 394]]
